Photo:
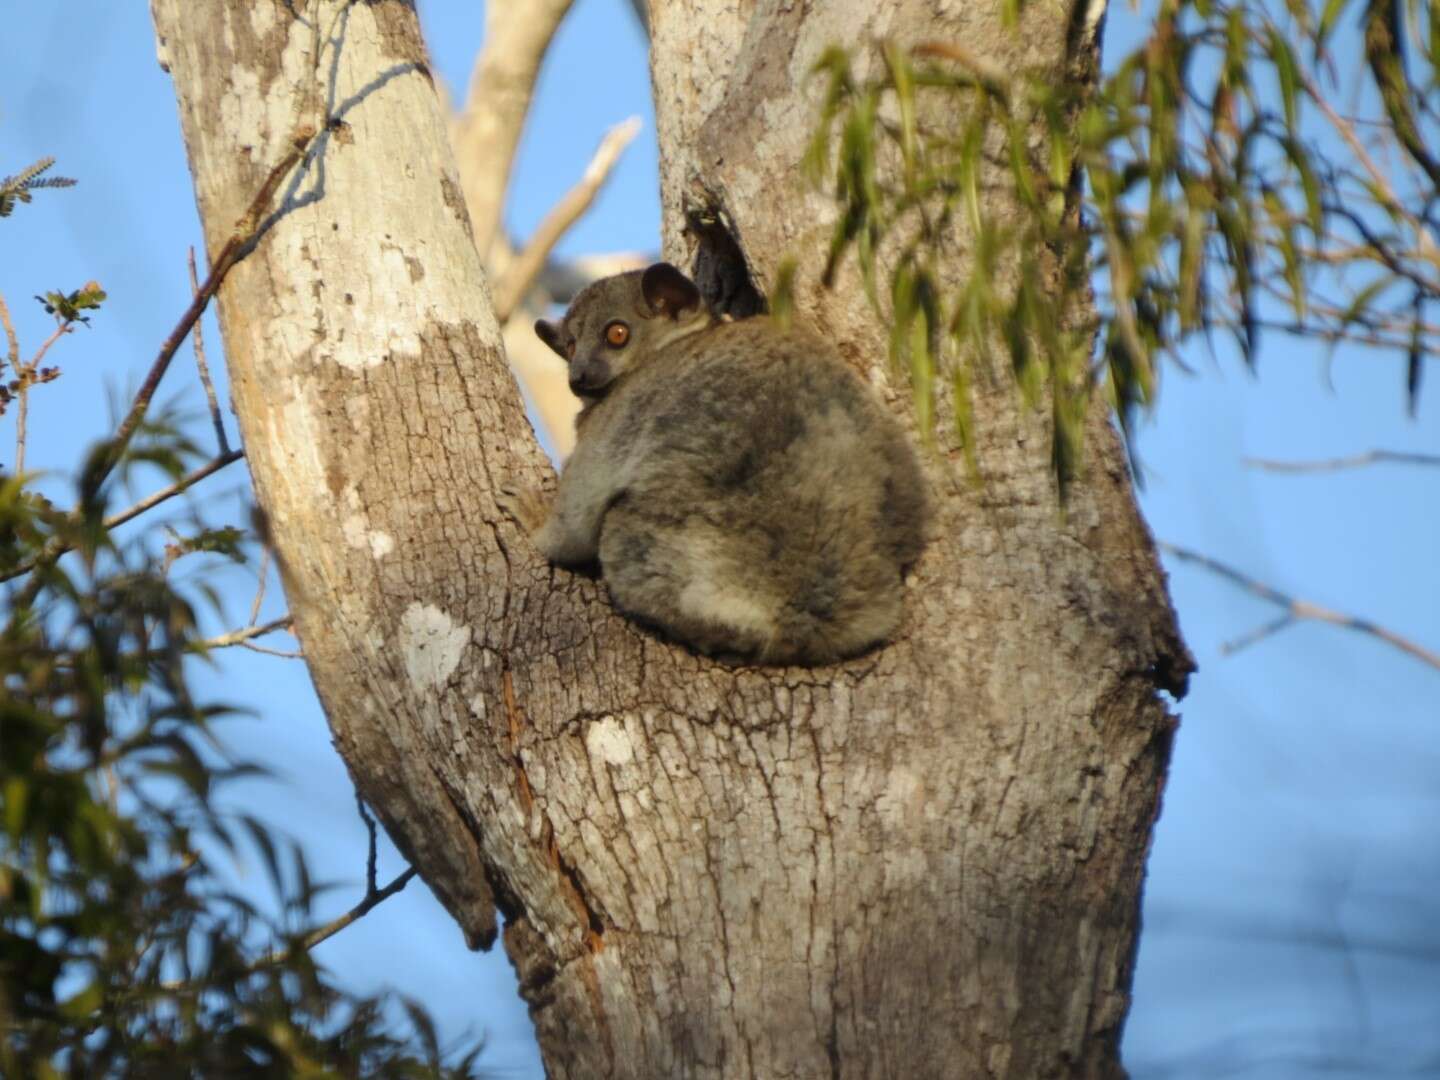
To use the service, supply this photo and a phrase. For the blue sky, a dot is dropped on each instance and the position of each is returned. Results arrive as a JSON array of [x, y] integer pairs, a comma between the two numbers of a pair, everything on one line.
[[1289, 911]]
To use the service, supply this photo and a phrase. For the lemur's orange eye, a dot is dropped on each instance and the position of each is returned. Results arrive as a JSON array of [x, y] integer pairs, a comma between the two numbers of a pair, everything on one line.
[[616, 335]]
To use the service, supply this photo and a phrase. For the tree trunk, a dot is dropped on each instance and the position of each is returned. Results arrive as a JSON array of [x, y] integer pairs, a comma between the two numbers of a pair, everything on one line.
[[924, 862]]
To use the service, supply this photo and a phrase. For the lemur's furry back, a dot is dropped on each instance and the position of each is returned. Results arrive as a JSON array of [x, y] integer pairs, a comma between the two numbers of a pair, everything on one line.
[[742, 489]]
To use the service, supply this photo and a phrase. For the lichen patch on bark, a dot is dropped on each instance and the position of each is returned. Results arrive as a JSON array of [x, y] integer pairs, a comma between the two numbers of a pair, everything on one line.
[[432, 644]]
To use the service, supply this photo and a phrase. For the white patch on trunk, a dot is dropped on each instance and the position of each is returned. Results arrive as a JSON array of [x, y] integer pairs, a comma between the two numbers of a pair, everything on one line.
[[354, 529], [609, 742], [432, 644], [358, 536]]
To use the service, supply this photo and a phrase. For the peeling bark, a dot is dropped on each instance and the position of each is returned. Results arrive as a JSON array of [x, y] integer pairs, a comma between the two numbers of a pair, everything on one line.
[[924, 862]]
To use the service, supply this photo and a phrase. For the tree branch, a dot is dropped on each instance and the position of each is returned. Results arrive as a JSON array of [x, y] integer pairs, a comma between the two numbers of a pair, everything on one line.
[[244, 634], [24, 376], [503, 82], [185, 482], [363, 908], [235, 248], [1354, 461], [261, 579], [198, 341], [54, 550], [518, 277], [373, 898], [1295, 610], [12, 343]]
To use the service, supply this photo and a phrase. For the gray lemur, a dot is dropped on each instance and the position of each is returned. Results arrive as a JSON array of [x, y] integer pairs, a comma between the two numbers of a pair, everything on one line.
[[743, 490]]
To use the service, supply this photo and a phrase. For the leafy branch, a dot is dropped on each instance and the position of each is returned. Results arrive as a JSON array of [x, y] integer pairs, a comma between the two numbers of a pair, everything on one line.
[[123, 949], [1208, 184], [18, 188]]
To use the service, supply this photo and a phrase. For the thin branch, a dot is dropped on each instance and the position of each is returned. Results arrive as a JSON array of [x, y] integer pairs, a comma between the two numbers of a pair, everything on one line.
[[283, 654], [12, 342], [54, 549], [359, 911], [260, 588], [1354, 461], [1295, 610], [23, 376], [511, 288], [374, 846], [187, 481], [198, 341], [373, 898], [501, 86], [1382, 183], [234, 249], [244, 634]]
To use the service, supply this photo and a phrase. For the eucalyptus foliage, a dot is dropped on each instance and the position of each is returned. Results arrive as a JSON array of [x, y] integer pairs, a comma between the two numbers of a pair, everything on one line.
[[123, 950], [1249, 167]]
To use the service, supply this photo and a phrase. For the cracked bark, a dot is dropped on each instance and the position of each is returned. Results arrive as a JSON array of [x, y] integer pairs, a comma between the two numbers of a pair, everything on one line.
[[924, 862]]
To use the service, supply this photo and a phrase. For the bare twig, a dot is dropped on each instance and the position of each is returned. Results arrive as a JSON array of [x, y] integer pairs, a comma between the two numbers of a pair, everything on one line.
[[373, 895], [1344, 129], [503, 82], [235, 248], [1294, 610], [372, 899], [260, 588], [511, 288], [23, 376], [187, 481], [54, 550], [373, 850], [283, 654], [198, 341], [330, 929], [1354, 461], [244, 634], [12, 343], [231, 253]]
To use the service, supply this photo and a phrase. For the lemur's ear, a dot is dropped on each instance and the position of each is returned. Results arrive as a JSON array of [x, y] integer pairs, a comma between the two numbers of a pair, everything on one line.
[[549, 333], [668, 291]]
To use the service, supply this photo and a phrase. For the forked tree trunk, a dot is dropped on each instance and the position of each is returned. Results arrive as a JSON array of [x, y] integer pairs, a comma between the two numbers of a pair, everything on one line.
[[924, 862]]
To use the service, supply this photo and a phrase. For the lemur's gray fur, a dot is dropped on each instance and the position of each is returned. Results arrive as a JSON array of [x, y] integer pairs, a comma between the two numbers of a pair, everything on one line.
[[742, 489]]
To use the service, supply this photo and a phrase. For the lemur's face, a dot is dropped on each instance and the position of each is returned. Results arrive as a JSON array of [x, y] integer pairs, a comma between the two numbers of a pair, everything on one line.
[[617, 323]]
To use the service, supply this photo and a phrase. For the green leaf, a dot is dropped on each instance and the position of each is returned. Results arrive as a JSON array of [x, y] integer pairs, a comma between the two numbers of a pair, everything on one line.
[[902, 78], [1328, 17], [85, 1003], [965, 417], [782, 296], [1414, 357], [1310, 184], [1191, 266], [17, 793], [1289, 252], [1287, 74], [1359, 307]]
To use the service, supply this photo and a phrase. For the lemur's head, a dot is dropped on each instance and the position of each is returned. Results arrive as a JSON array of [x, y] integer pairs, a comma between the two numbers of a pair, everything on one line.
[[619, 322]]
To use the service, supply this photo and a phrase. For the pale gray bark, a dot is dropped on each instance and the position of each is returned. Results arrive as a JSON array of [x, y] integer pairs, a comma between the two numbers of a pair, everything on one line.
[[925, 862]]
